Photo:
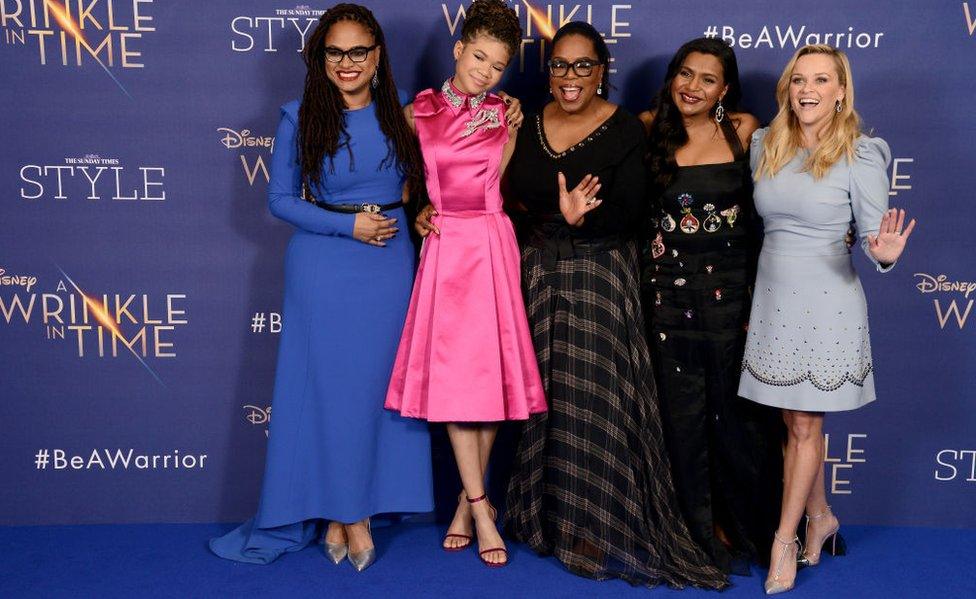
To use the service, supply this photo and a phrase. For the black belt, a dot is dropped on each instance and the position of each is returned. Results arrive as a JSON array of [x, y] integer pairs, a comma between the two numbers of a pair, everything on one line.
[[350, 208], [356, 208], [552, 235]]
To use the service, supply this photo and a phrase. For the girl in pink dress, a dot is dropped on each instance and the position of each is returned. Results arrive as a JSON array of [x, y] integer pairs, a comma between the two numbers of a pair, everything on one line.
[[466, 355]]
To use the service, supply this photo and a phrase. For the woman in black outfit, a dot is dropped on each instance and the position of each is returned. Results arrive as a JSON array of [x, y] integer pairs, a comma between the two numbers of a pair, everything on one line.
[[726, 452], [591, 481]]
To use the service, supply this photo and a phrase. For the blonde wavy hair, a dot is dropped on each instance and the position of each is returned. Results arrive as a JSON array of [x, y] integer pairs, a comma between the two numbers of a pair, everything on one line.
[[784, 137]]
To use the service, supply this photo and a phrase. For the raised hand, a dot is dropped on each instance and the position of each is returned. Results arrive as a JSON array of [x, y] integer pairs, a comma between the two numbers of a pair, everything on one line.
[[423, 224], [513, 110], [575, 204], [374, 229], [892, 235]]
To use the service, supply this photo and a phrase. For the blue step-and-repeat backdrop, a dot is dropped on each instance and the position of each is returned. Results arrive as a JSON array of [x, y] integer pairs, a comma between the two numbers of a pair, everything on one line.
[[141, 274]]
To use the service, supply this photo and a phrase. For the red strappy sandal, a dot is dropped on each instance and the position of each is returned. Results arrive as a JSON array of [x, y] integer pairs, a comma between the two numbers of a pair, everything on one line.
[[481, 554], [453, 535]]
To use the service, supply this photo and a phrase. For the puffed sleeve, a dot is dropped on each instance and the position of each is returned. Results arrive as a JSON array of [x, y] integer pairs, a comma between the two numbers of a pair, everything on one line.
[[756, 147], [285, 185], [869, 189]]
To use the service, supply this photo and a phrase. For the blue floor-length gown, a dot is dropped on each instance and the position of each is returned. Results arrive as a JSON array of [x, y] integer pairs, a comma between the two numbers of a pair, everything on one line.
[[334, 453]]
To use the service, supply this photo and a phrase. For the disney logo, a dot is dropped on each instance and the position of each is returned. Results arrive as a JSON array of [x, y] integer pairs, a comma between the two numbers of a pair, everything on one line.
[[26, 281], [256, 414], [243, 139], [930, 284]]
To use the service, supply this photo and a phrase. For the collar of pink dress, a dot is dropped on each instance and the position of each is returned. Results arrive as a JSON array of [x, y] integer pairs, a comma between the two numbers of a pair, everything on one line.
[[457, 99]]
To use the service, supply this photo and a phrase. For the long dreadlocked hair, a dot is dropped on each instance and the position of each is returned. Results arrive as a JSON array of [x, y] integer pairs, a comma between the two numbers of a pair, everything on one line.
[[321, 122]]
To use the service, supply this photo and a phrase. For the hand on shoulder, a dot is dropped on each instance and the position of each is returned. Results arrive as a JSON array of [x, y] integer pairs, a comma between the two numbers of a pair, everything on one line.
[[408, 113], [646, 118], [745, 126]]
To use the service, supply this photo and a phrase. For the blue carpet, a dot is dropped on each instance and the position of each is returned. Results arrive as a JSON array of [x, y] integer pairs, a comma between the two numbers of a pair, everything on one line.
[[172, 560]]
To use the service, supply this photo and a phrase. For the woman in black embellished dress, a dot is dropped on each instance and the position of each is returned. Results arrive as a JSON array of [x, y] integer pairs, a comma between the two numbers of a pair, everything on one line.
[[591, 482], [699, 266]]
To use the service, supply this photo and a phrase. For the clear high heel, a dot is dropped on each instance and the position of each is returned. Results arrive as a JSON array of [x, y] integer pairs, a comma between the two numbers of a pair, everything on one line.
[[336, 551], [831, 541], [363, 559], [773, 584]]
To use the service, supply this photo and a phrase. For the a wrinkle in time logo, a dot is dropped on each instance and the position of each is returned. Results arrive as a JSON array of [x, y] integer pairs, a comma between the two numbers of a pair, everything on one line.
[[841, 454], [540, 21], [250, 149], [286, 28], [137, 326], [79, 33], [956, 302], [92, 177]]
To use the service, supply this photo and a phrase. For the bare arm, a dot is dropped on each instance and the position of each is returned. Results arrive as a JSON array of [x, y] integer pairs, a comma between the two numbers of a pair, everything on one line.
[[745, 126], [507, 151], [408, 113]]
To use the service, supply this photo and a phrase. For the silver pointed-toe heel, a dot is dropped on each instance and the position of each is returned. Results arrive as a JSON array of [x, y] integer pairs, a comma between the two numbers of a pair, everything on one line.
[[774, 584], [336, 551], [363, 559]]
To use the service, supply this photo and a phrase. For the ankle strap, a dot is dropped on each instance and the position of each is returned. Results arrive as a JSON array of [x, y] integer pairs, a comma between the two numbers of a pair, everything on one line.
[[825, 511], [795, 539], [477, 499]]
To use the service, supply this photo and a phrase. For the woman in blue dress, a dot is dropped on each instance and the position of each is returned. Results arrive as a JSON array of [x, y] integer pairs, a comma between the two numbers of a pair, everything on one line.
[[808, 350], [344, 158]]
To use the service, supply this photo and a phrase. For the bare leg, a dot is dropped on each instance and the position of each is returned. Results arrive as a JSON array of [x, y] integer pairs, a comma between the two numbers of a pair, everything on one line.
[[336, 533], [823, 522], [462, 523], [802, 462], [466, 444], [486, 439], [360, 538]]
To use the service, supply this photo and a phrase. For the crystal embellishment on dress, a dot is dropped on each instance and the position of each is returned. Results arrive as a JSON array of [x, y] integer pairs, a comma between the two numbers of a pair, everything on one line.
[[689, 223], [657, 246], [667, 223], [713, 222], [731, 214], [539, 129], [457, 100], [487, 118]]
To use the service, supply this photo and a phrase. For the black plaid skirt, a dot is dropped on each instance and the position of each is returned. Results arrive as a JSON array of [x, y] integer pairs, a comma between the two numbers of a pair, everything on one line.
[[591, 482]]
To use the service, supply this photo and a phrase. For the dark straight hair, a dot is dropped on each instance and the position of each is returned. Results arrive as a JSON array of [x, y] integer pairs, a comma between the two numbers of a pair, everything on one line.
[[667, 132]]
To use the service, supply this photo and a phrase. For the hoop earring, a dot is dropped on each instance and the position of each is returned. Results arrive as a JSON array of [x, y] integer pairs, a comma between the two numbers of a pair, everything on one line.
[[838, 107], [375, 82], [719, 111]]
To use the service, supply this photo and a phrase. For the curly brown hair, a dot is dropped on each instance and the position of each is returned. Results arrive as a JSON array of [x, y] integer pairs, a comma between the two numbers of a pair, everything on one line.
[[321, 121], [494, 18]]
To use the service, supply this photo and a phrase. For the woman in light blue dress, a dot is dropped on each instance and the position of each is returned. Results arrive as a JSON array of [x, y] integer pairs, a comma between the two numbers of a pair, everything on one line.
[[337, 174], [808, 350]]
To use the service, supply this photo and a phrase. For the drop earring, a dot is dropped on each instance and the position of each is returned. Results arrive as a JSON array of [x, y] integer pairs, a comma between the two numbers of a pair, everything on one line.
[[375, 82], [719, 111], [599, 90], [838, 107]]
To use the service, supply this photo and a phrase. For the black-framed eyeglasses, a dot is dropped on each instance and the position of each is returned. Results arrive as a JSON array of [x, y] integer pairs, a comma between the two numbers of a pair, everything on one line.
[[582, 67], [357, 54]]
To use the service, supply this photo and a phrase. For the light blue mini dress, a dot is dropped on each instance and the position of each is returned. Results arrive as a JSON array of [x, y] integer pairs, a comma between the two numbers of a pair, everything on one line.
[[808, 346]]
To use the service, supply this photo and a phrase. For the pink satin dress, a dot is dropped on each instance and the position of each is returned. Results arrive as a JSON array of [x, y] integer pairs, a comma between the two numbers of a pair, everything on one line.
[[466, 354]]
